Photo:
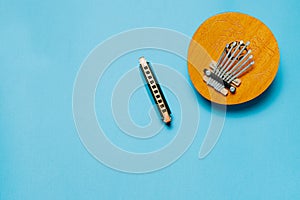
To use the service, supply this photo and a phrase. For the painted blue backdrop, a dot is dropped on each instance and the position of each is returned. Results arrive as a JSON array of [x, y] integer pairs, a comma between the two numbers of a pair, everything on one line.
[[42, 45]]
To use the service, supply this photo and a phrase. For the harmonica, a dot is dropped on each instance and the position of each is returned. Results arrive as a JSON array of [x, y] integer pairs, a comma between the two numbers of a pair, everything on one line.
[[155, 90]]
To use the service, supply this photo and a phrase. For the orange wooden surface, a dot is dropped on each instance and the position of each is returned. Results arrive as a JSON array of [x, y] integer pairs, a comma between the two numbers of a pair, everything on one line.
[[225, 28]]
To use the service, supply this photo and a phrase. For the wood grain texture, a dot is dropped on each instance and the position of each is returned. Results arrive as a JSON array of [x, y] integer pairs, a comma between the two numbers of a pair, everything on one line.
[[225, 28]]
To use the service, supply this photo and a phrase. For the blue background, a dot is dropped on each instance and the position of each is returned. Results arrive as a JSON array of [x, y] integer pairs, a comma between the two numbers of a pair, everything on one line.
[[42, 45]]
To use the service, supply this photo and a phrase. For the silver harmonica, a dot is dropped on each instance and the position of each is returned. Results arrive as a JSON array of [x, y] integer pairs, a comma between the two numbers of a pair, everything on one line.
[[155, 90]]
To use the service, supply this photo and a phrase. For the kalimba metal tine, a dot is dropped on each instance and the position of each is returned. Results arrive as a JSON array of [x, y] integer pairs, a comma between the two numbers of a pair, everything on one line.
[[224, 74], [239, 68], [242, 71], [234, 67], [226, 58], [238, 65], [221, 58], [231, 60]]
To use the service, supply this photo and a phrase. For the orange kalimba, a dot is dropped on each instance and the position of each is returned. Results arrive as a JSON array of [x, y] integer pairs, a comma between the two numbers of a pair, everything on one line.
[[232, 58]]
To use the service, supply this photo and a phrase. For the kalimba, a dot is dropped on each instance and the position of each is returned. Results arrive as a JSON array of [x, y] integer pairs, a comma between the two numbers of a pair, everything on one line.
[[226, 70]]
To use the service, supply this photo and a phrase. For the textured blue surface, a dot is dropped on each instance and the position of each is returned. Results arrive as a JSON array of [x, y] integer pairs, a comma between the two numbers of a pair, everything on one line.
[[42, 45]]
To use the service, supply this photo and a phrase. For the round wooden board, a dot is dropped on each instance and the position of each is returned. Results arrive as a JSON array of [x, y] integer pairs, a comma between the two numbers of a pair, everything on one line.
[[213, 35]]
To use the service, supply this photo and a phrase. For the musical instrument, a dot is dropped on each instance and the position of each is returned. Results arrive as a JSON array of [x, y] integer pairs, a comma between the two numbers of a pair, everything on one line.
[[155, 90], [232, 58]]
